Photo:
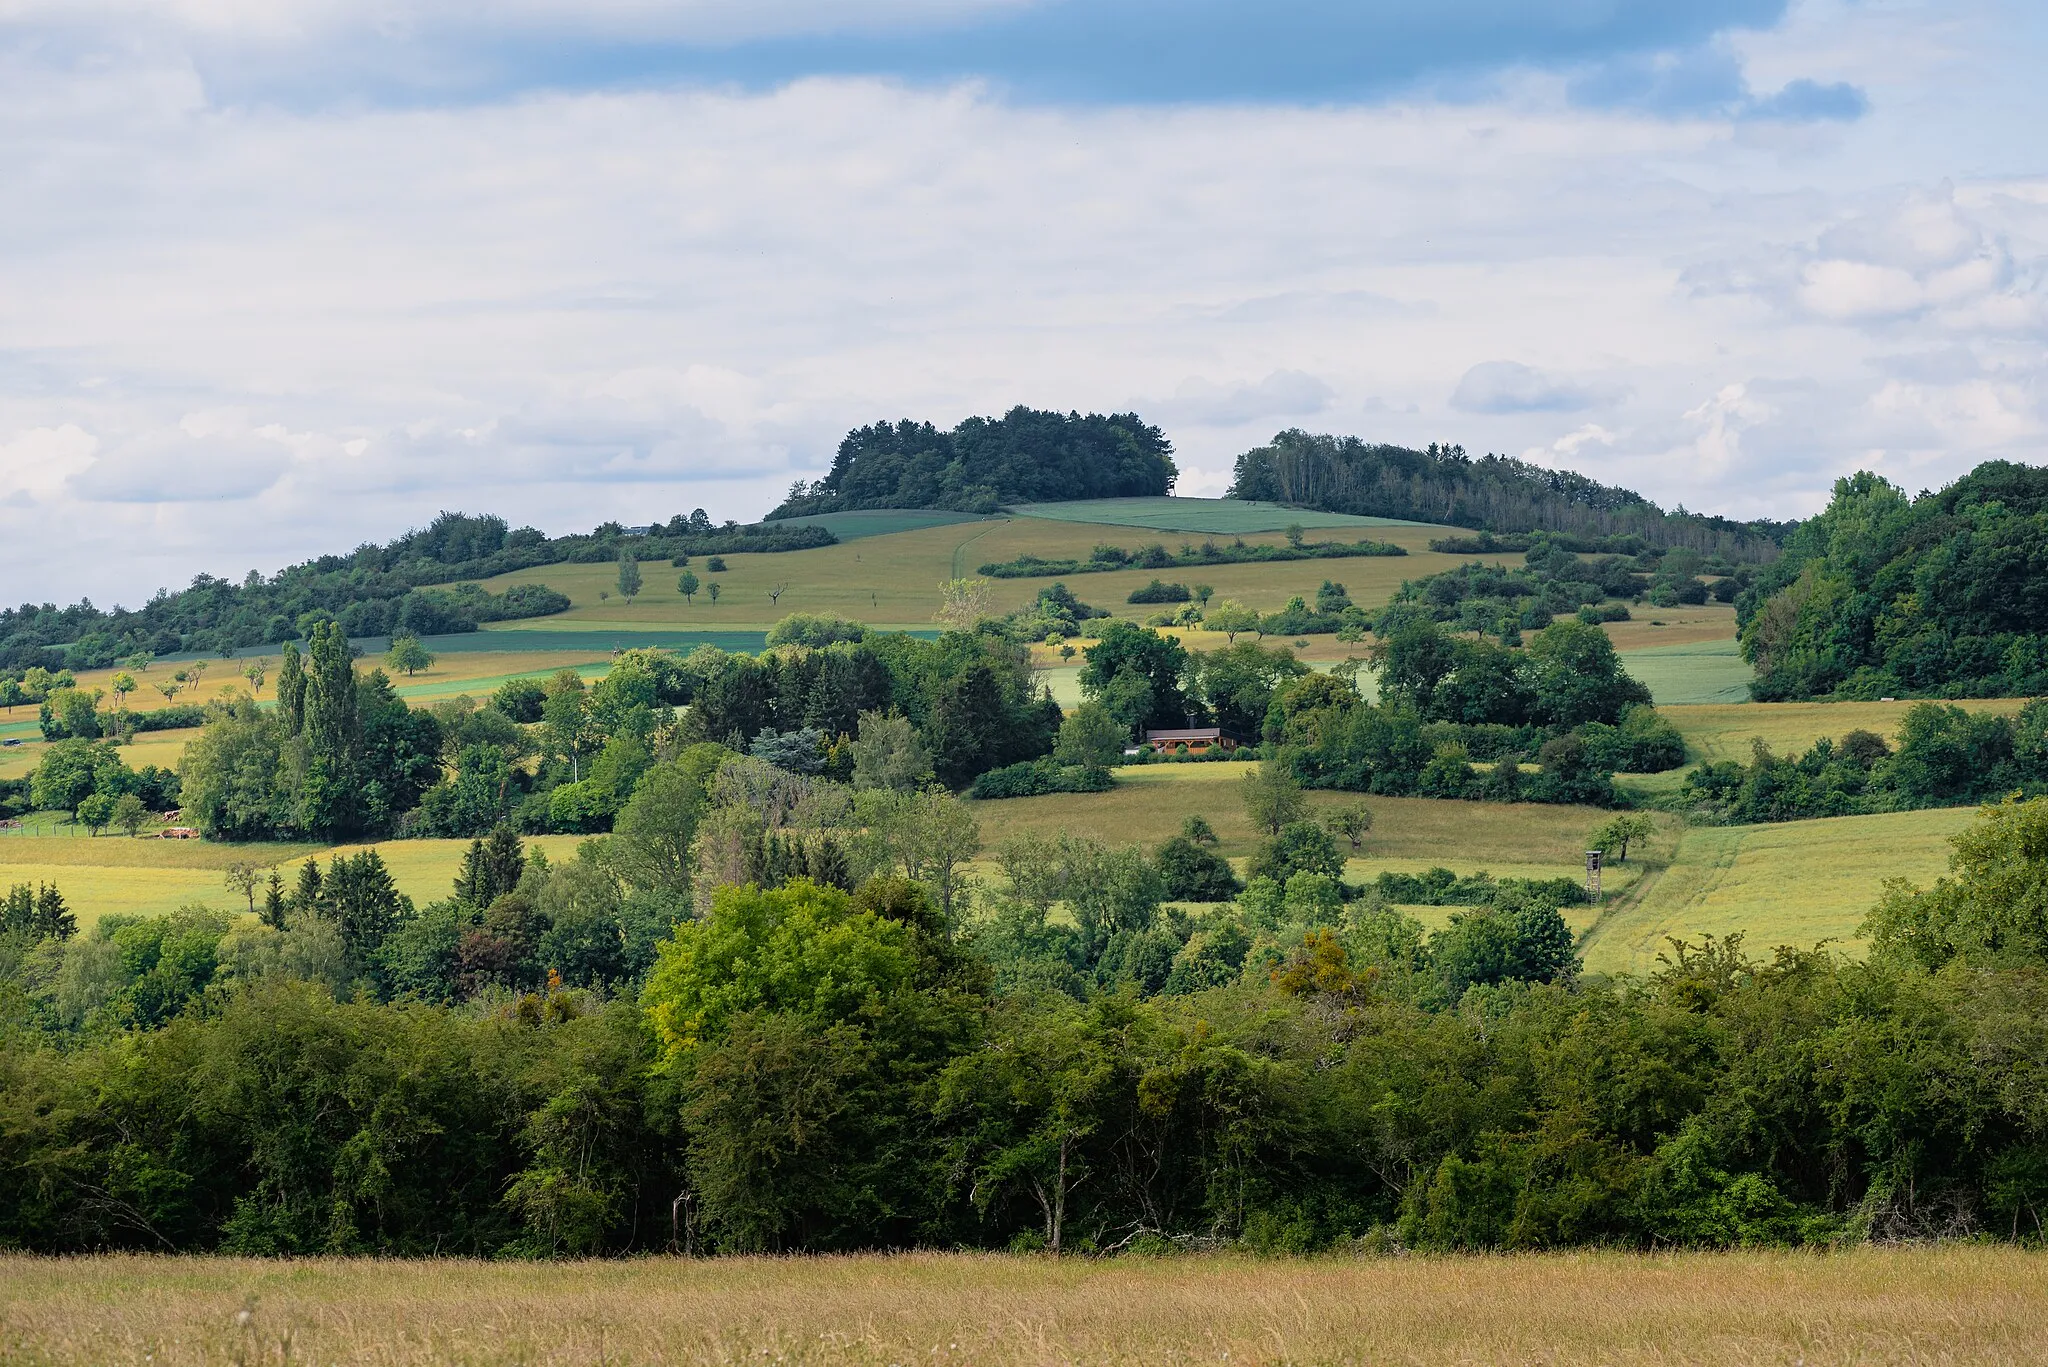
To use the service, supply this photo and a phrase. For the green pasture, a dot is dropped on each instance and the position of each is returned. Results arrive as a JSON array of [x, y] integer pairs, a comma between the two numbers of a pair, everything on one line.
[[1718, 731], [1791, 883], [866, 522], [892, 581], [1224, 516], [1695, 672]]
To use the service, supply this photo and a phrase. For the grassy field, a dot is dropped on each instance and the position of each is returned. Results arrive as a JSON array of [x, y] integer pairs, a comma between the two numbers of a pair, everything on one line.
[[1221, 516], [113, 874], [1870, 1307], [893, 581], [1795, 882], [1693, 672], [1724, 731], [865, 522]]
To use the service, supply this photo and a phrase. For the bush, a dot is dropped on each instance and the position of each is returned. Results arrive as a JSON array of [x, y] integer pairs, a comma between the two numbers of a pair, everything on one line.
[[1195, 874], [1034, 778], [1156, 592], [815, 629], [1644, 743], [166, 718]]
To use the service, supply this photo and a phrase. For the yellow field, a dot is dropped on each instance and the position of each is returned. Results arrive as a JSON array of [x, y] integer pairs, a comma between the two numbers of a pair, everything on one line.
[[1927, 1305], [893, 580], [113, 874], [1723, 730], [1794, 882]]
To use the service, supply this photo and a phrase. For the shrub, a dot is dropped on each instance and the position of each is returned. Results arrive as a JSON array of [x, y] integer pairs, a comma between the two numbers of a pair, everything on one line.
[[1033, 778], [1156, 592]]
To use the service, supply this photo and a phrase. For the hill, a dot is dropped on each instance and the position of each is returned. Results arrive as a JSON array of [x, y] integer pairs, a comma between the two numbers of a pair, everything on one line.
[[1498, 493], [371, 591], [1025, 456], [1943, 595]]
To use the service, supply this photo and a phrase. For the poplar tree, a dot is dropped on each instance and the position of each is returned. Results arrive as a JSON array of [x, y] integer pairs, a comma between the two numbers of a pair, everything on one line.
[[331, 804], [291, 690]]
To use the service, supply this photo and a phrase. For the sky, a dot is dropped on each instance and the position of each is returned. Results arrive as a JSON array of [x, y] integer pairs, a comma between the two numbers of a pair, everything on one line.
[[278, 277]]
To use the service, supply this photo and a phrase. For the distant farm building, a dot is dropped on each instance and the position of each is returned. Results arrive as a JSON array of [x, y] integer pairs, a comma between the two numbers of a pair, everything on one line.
[[1192, 740]]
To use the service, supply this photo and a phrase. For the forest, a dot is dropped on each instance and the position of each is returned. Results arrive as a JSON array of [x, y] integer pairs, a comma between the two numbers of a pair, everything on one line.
[[1499, 493], [1882, 595], [1025, 456]]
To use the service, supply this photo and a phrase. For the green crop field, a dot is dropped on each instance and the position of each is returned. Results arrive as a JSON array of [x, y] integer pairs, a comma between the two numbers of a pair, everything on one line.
[[113, 874], [1223, 516], [1795, 883]]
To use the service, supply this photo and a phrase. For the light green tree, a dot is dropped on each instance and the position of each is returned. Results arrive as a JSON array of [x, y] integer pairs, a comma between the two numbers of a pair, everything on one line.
[[712, 589], [408, 654], [129, 814], [629, 576], [1352, 822], [1272, 798], [255, 673], [1614, 836], [123, 684], [688, 586]]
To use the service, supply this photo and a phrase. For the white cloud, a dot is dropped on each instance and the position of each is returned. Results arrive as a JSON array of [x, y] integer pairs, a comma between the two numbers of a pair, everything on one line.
[[282, 333]]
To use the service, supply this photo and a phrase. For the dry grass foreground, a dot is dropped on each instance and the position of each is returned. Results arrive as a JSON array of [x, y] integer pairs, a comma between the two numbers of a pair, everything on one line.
[[1906, 1305]]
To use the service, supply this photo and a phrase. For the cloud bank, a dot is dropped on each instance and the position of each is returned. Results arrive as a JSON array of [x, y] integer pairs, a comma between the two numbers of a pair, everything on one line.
[[243, 328]]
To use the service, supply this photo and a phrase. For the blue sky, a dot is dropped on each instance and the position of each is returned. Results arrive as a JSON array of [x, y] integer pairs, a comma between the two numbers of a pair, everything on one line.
[[282, 275]]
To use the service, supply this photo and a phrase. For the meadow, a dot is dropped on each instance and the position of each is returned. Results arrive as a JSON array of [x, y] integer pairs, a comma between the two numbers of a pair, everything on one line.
[[112, 874], [1796, 882], [893, 581], [1901, 1305]]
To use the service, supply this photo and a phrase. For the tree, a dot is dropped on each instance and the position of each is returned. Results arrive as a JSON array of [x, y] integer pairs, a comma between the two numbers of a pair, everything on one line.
[[629, 576], [1238, 683], [888, 753], [775, 594], [232, 774], [966, 732], [1272, 797], [1298, 847], [193, 673], [712, 590], [962, 603], [1294, 535], [688, 586], [243, 877], [129, 814], [1203, 593], [1351, 821], [1614, 836], [491, 868], [123, 683], [170, 688], [1127, 649], [274, 901], [96, 812], [331, 796], [930, 834], [255, 673], [565, 720], [653, 834], [716, 564], [291, 689], [1090, 736], [408, 654], [1231, 617]]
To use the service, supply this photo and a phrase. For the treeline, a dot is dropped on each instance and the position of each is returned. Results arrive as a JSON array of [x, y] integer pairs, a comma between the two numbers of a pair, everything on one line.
[[1105, 558], [1449, 705], [1945, 757], [1494, 600], [1025, 456], [373, 591], [1885, 596], [531, 1069], [1442, 484]]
